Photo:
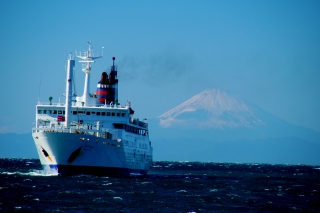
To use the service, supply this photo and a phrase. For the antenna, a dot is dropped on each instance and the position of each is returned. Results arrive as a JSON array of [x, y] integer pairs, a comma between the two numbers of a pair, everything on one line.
[[87, 58]]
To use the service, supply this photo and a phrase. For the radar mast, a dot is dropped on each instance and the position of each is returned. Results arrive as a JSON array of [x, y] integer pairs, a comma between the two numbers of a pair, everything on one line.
[[87, 57]]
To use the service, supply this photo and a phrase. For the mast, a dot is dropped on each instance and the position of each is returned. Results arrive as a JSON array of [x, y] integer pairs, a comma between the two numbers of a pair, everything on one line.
[[70, 69], [87, 58]]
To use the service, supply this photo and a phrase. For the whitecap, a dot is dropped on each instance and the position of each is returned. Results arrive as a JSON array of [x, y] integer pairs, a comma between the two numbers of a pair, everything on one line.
[[181, 191], [117, 198], [37, 173], [31, 173], [9, 173], [142, 183], [106, 184]]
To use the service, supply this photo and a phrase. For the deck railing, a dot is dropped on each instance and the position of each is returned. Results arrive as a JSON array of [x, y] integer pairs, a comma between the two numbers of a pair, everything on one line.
[[103, 133], [79, 106]]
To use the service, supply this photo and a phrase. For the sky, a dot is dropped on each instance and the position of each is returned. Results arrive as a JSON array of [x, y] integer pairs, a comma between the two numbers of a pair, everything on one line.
[[265, 51]]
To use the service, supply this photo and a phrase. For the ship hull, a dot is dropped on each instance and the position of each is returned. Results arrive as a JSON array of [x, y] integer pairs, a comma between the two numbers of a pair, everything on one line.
[[72, 154]]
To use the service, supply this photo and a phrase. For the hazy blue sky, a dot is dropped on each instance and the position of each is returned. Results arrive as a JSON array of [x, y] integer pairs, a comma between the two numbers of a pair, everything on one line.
[[268, 52]]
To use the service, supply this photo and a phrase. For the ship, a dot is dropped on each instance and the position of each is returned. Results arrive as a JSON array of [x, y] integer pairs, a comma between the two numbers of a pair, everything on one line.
[[92, 134]]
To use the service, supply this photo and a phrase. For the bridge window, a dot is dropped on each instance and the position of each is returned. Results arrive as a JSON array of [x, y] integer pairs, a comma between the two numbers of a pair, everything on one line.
[[103, 113], [60, 112], [39, 111], [113, 114], [98, 113], [118, 126], [108, 113], [88, 113], [74, 112], [54, 111]]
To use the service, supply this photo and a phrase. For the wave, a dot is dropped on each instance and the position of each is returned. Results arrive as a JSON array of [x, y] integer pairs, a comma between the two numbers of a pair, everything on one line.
[[30, 173]]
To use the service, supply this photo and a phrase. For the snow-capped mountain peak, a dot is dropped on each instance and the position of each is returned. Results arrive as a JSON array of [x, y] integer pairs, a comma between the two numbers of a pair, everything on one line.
[[212, 108]]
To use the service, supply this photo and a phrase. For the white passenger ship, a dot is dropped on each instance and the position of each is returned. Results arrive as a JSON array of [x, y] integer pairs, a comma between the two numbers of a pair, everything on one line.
[[91, 134]]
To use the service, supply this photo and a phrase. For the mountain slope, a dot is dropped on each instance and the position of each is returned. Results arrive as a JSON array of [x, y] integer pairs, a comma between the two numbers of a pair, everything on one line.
[[212, 108], [219, 126]]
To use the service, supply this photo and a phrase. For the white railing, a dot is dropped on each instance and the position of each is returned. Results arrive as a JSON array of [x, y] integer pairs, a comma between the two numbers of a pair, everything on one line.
[[112, 134], [52, 129], [110, 106], [51, 104]]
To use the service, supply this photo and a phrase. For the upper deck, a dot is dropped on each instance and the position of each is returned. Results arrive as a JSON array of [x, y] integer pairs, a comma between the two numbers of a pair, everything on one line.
[[52, 114]]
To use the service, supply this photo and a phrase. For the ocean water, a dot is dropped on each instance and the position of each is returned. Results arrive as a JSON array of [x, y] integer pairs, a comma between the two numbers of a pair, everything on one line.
[[169, 187]]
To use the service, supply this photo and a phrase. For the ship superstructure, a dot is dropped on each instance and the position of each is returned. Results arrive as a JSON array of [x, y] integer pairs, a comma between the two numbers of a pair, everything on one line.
[[91, 134]]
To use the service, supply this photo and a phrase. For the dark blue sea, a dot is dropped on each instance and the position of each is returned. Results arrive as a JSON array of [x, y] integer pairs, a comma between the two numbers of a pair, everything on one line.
[[169, 187]]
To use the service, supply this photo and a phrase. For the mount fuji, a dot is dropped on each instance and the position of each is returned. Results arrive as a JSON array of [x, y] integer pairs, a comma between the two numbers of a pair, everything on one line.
[[216, 125], [212, 109]]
